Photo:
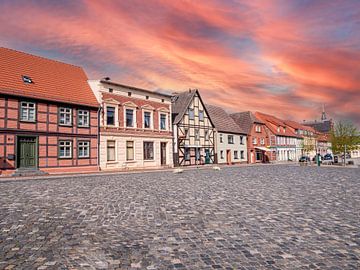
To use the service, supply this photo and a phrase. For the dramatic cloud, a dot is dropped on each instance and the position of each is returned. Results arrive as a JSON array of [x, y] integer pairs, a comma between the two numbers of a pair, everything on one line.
[[286, 58]]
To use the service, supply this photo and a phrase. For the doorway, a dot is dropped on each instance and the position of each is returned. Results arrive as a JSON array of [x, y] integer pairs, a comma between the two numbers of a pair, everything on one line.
[[228, 156], [163, 153], [27, 152]]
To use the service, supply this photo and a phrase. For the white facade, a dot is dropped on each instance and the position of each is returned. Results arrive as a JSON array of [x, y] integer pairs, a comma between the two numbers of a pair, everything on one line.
[[121, 161], [231, 148]]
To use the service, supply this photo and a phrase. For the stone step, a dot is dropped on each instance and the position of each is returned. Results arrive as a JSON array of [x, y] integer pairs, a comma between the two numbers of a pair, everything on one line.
[[28, 172]]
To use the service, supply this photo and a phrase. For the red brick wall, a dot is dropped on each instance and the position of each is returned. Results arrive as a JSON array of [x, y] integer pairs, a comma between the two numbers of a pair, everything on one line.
[[47, 131]]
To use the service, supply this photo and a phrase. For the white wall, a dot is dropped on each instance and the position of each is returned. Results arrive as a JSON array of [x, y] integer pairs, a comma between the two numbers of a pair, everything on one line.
[[236, 146]]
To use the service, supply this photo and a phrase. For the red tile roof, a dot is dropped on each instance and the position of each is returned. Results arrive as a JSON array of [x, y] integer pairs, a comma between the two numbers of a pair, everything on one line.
[[52, 80], [270, 119], [297, 125]]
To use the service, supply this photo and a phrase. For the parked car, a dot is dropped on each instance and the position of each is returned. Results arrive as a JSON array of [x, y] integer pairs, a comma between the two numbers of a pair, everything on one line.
[[347, 156], [328, 157], [304, 159]]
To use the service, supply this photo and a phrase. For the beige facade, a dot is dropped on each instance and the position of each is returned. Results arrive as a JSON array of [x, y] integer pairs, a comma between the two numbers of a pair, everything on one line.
[[135, 127]]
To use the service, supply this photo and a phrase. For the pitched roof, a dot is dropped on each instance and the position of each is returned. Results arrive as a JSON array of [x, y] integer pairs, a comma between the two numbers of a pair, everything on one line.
[[245, 120], [270, 119], [321, 126], [297, 125], [181, 103], [222, 121], [52, 80]]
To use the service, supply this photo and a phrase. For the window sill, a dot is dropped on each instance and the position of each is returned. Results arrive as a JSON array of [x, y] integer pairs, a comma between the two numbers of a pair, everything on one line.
[[66, 125], [112, 162], [84, 157], [149, 160], [28, 121], [83, 126], [130, 161]]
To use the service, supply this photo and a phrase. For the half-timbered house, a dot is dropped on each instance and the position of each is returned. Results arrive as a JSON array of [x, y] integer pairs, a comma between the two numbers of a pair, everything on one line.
[[193, 130], [48, 116]]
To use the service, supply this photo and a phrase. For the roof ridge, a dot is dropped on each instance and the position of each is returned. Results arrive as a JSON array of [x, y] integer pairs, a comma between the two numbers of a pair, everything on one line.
[[42, 57]]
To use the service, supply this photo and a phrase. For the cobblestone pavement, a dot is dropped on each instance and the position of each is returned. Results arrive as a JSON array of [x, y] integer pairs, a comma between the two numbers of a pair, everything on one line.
[[260, 217]]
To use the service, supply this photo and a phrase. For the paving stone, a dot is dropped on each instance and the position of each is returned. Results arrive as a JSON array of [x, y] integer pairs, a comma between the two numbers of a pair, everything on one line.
[[260, 217]]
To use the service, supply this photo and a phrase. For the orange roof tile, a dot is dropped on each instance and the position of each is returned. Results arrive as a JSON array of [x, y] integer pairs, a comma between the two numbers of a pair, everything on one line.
[[52, 80], [270, 119]]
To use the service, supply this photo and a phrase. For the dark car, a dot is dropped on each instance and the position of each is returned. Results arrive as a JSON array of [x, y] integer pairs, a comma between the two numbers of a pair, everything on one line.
[[304, 159], [328, 157]]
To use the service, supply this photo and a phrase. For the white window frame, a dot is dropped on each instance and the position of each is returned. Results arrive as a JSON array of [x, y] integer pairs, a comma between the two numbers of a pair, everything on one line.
[[262, 141], [232, 140], [254, 141], [201, 113], [133, 147], [134, 117], [65, 144], [197, 134], [115, 151], [258, 128], [85, 114], [151, 119], [221, 138], [236, 154], [221, 154], [153, 151], [166, 120], [193, 114], [242, 154], [65, 111], [83, 145], [241, 139], [25, 106]]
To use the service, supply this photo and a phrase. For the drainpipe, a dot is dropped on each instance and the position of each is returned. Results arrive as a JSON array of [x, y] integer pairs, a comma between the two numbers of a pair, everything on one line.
[[98, 135]]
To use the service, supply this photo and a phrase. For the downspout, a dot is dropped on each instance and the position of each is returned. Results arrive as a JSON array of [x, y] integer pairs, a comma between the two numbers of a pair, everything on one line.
[[98, 135]]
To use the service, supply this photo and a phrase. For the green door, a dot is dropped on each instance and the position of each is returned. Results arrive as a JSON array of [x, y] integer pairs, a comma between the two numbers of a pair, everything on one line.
[[27, 152]]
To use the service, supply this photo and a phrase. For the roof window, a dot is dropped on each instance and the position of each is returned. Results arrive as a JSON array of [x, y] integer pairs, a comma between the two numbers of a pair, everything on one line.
[[27, 79]]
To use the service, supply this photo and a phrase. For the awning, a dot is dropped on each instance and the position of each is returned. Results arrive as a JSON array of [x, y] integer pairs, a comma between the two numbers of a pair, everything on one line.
[[263, 149]]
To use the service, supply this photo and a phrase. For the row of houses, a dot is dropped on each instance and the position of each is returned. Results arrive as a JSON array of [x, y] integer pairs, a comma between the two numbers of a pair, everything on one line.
[[53, 119]]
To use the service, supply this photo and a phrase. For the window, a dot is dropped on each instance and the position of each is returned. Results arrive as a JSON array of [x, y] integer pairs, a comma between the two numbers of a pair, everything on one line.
[[27, 79], [163, 121], [242, 154], [191, 114], [83, 118], [65, 149], [221, 138], [197, 153], [187, 153], [27, 111], [110, 115], [278, 129], [230, 139], [129, 150], [241, 139], [236, 156], [148, 150], [111, 90], [258, 128], [65, 116], [110, 150], [129, 94], [254, 141], [197, 135], [129, 117], [147, 119], [201, 115], [222, 154], [262, 141], [83, 149], [186, 133], [206, 135], [162, 100]]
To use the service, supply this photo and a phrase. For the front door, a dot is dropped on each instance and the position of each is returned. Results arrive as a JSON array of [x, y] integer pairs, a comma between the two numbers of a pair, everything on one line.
[[27, 154], [207, 156], [228, 156], [163, 153]]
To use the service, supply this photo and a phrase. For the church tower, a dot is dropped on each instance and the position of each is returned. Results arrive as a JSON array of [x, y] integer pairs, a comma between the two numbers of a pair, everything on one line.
[[323, 114]]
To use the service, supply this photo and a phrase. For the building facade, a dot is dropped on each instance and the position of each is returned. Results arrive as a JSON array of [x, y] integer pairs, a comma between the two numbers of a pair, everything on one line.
[[257, 138], [193, 130], [282, 141], [230, 139], [306, 141], [135, 127], [48, 116]]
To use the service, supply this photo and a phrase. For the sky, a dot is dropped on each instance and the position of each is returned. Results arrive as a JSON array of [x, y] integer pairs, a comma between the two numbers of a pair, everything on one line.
[[283, 57]]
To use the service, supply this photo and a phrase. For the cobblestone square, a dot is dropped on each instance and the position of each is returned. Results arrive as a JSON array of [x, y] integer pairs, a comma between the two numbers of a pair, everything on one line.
[[257, 217]]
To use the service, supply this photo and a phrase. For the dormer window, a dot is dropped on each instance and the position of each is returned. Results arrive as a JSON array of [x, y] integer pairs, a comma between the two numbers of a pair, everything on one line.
[[27, 79]]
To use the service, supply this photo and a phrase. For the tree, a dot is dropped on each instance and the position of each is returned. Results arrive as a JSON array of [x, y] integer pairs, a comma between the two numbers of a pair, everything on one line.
[[345, 137]]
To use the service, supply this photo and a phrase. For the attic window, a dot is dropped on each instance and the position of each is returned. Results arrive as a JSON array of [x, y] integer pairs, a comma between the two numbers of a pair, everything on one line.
[[27, 79], [129, 94], [147, 97], [162, 100], [111, 90]]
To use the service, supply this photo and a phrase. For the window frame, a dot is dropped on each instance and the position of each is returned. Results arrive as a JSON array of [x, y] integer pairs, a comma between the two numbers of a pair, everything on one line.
[[192, 114], [242, 154], [160, 119], [254, 141], [151, 119], [106, 114], [79, 116], [236, 154], [71, 149], [133, 149], [232, 139], [144, 151], [78, 148], [107, 151], [133, 117], [65, 113], [221, 138], [241, 139], [201, 113], [28, 110]]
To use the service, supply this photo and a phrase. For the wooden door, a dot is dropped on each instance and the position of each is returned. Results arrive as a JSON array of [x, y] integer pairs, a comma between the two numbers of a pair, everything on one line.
[[228, 156], [27, 154], [163, 153]]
